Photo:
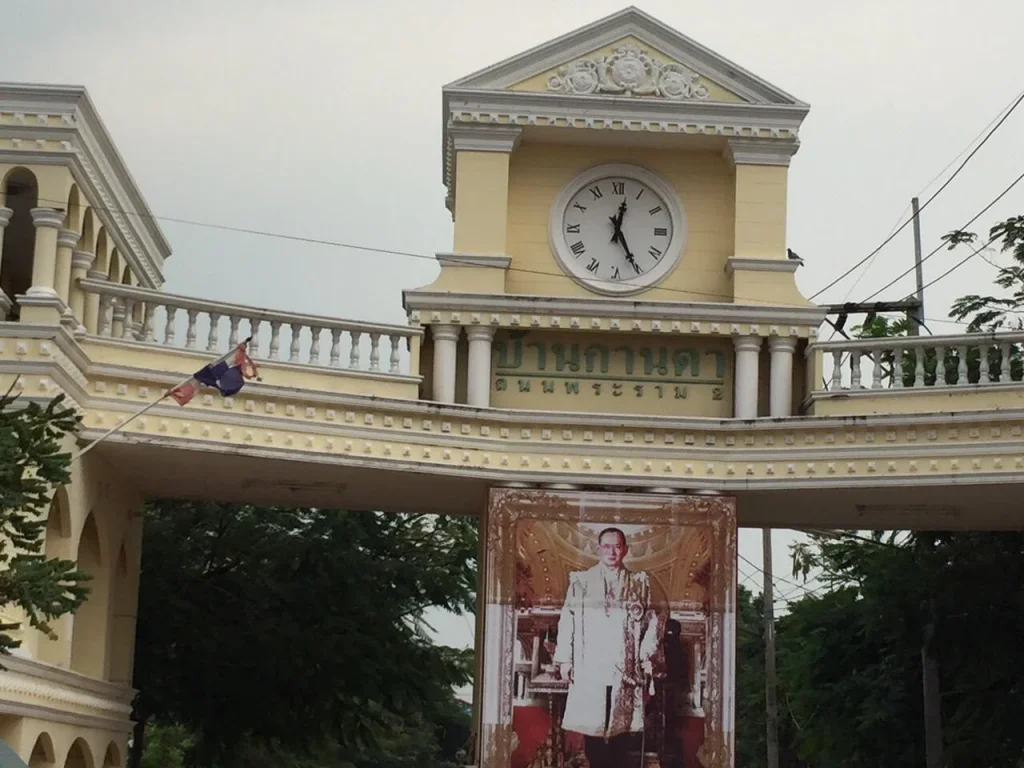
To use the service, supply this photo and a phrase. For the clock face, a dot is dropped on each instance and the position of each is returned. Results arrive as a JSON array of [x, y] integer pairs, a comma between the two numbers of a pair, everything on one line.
[[617, 229]]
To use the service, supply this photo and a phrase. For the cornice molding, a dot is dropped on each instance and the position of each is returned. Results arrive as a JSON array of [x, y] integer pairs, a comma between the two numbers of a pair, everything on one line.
[[481, 138], [759, 151], [738, 264], [473, 260]]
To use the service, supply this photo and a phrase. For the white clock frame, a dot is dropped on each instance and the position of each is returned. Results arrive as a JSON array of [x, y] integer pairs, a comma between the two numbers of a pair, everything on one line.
[[673, 251]]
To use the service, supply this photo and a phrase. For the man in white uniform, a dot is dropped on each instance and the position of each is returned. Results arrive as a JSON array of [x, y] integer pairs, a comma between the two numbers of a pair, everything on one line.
[[609, 647]]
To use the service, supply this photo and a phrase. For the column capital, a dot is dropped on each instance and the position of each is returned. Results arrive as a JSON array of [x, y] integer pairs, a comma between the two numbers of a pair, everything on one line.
[[82, 259], [445, 332], [5, 216], [782, 343], [747, 343], [484, 138], [48, 217], [68, 238], [748, 150], [480, 332]]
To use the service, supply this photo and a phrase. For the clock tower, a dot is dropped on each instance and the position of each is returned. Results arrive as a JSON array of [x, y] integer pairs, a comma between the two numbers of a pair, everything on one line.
[[619, 205]]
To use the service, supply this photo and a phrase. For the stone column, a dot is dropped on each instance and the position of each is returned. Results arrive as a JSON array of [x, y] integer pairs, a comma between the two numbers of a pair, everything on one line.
[[478, 384], [44, 262], [748, 350], [66, 241], [91, 318], [80, 263], [445, 338], [5, 301], [780, 396]]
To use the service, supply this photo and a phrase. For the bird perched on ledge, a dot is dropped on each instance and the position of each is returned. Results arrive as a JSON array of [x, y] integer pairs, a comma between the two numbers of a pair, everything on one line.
[[793, 256]]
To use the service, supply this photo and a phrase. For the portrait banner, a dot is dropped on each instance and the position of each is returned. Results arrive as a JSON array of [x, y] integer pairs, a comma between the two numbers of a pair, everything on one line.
[[609, 630]]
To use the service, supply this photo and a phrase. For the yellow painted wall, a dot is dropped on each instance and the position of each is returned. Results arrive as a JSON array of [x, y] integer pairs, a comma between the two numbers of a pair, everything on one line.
[[761, 211], [702, 179], [481, 198], [539, 83]]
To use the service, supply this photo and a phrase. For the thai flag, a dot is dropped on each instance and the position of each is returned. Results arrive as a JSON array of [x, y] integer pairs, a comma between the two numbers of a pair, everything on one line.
[[226, 375]]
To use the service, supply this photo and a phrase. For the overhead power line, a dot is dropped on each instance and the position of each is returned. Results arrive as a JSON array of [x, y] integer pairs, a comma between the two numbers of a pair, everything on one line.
[[925, 204]]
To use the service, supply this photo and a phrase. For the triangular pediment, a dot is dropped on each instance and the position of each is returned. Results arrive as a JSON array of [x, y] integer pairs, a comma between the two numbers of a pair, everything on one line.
[[626, 54]]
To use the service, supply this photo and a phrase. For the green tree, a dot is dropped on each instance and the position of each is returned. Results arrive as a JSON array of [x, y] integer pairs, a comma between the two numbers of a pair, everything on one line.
[[290, 630], [32, 464]]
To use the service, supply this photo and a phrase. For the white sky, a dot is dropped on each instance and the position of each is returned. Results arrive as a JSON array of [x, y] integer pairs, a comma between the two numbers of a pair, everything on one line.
[[322, 118]]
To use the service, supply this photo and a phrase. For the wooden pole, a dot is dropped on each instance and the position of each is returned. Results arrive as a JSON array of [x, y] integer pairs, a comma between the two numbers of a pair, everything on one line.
[[770, 680]]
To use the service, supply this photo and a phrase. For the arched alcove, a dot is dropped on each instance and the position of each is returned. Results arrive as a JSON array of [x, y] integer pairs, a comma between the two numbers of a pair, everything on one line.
[[114, 271], [113, 757], [21, 192], [80, 756], [88, 239], [122, 636], [101, 263], [58, 535], [42, 755], [73, 216], [89, 626]]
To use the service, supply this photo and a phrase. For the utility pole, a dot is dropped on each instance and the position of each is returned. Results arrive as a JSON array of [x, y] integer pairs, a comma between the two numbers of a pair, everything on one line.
[[931, 687], [918, 314], [770, 680]]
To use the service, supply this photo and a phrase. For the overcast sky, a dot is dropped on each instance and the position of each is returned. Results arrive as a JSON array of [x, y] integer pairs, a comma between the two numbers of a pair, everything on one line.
[[322, 118]]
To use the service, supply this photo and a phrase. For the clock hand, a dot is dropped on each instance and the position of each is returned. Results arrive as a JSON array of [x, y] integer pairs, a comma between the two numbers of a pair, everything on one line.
[[617, 221]]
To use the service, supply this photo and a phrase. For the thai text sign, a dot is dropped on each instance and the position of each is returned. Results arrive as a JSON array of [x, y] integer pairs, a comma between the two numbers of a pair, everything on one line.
[[621, 373]]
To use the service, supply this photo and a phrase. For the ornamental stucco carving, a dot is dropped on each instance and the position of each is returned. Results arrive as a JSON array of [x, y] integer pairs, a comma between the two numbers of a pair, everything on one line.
[[630, 71]]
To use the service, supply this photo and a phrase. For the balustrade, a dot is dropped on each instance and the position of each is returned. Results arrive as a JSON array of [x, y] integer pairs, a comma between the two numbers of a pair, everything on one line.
[[301, 337], [915, 362]]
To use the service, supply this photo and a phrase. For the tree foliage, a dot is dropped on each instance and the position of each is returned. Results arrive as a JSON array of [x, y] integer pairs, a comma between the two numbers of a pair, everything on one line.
[[32, 464], [295, 631]]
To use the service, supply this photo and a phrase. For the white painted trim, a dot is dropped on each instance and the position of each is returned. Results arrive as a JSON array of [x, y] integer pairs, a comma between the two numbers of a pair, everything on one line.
[[736, 263], [901, 392], [479, 138], [50, 714], [593, 306], [673, 251], [473, 260], [759, 151]]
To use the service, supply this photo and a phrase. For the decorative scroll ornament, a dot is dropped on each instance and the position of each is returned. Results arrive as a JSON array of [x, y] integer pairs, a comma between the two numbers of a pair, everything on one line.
[[629, 71]]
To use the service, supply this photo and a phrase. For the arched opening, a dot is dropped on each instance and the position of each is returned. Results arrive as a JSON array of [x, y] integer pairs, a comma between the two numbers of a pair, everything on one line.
[[122, 638], [114, 272], [58, 537], [113, 757], [73, 217], [88, 238], [89, 625], [21, 192], [80, 756], [42, 753], [100, 264]]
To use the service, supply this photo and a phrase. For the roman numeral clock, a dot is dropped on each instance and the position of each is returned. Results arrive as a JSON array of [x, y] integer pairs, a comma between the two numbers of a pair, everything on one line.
[[618, 229]]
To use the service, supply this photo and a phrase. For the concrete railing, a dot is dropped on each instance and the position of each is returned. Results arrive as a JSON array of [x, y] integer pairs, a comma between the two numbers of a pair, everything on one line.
[[154, 317], [916, 362]]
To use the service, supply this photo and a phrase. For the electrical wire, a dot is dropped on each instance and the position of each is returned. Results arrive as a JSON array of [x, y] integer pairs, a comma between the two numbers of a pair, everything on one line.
[[974, 218], [925, 204]]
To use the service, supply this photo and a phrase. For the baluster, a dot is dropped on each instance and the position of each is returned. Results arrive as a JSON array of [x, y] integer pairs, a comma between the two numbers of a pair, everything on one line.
[[335, 347], [211, 341], [940, 366], [374, 351], [190, 334], [876, 373], [983, 364], [919, 366], [897, 367], [129, 309], [293, 356], [275, 339], [147, 324], [396, 342], [1004, 363], [106, 314], [837, 369], [234, 320], [314, 349], [961, 369], [855, 370], [353, 358], [169, 325], [117, 317], [254, 336]]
